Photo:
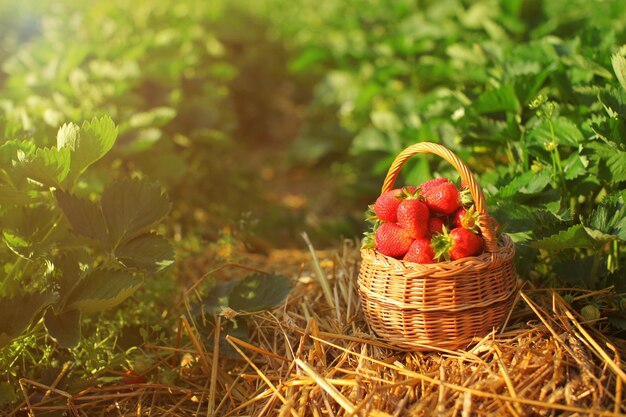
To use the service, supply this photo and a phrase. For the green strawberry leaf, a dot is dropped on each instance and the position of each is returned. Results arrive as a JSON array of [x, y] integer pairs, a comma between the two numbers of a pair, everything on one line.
[[149, 252], [87, 144], [574, 271], [69, 267], [527, 183], [67, 136], [619, 66], [574, 237], [17, 312], [616, 163], [84, 216], [27, 230], [608, 220], [565, 130], [611, 129], [18, 244], [131, 207], [12, 150], [259, 292], [495, 100], [63, 327], [49, 166], [10, 196], [574, 166], [102, 289], [614, 100]]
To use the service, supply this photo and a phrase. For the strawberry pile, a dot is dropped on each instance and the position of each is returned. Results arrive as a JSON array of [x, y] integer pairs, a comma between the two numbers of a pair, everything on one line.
[[426, 224]]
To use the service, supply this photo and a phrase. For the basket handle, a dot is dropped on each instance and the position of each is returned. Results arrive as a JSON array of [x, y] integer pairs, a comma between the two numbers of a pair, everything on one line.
[[484, 221]]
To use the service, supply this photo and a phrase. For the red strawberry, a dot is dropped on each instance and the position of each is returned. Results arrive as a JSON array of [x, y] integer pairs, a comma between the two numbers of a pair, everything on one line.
[[435, 225], [420, 252], [393, 240], [457, 244], [443, 199], [413, 216], [432, 184], [466, 218], [386, 204]]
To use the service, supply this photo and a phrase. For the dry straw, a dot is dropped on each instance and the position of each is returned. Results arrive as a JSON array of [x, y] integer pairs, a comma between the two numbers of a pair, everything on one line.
[[310, 358], [446, 304]]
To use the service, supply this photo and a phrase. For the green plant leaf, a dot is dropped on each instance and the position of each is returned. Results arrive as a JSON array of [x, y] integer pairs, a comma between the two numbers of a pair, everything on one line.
[[149, 252], [616, 163], [527, 183], [102, 289], [259, 292], [614, 100], [17, 312], [63, 327], [574, 166], [608, 221], [69, 267], [574, 237], [131, 207], [18, 244], [565, 131], [48, 166], [12, 149], [574, 271], [612, 129], [88, 144], [619, 66], [495, 100], [84, 216], [10, 196], [68, 136]]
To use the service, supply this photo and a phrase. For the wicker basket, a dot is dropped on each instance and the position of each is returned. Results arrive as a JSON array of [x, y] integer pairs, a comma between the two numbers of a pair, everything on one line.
[[443, 305]]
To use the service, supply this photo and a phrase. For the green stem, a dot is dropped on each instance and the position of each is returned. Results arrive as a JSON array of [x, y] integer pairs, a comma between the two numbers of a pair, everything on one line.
[[613, 260], [557, 165]]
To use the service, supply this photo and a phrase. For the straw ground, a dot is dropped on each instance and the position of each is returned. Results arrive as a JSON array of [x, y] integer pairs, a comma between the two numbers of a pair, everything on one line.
[[315, 356]]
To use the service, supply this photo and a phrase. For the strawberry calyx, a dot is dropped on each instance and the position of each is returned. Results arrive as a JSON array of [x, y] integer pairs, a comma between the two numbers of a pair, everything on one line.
[[369, 240], [465, 197], [441, 244], [467, 218]]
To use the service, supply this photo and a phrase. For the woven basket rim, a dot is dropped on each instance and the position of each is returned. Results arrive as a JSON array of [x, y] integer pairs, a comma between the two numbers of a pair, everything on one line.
[[505, 252]]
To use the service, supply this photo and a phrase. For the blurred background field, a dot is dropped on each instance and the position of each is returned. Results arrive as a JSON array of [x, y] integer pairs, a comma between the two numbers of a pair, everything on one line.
[[265, 119]]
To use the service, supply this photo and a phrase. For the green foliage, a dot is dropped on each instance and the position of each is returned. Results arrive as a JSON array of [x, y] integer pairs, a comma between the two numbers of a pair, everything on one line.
[[66, 255], [531, 96], [259, 292], [255, 292]]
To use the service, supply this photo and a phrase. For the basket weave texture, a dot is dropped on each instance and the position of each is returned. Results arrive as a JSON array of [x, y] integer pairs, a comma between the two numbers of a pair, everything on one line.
[[443, 305]]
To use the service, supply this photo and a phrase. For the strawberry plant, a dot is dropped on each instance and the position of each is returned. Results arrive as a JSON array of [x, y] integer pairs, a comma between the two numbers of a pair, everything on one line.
[[530, 94], [68, 252]]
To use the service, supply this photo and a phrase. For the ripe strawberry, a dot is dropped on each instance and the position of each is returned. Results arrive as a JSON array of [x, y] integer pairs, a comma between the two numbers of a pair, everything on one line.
[[413, 215], [457, 244], [466, 218], [386, 204], [432, 184], [443, 198], [435, 225], [393, 240], [421, 252]]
